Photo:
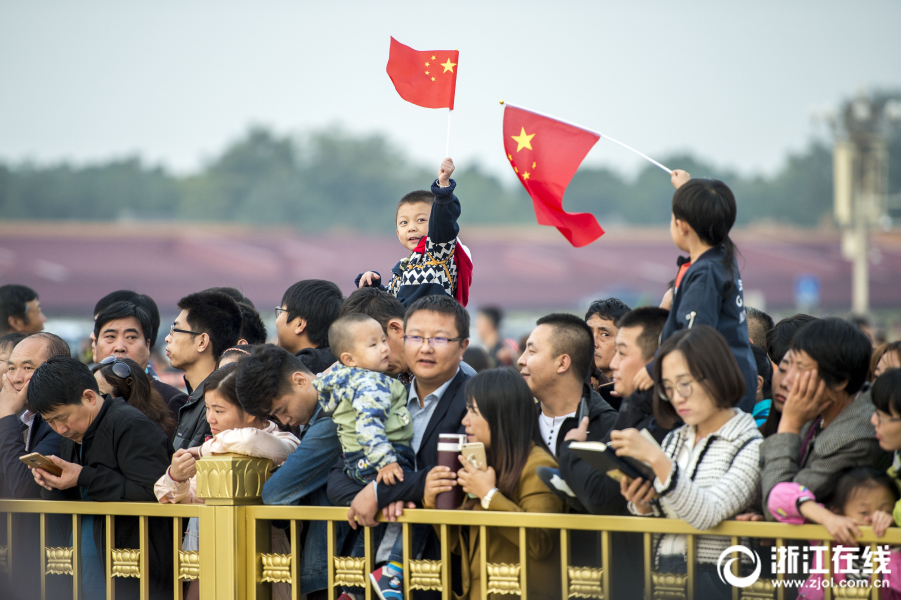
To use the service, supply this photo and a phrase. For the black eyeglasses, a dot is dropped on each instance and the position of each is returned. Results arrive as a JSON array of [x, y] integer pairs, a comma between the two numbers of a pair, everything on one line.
[[279, 310], [173, 329], [120, 369]]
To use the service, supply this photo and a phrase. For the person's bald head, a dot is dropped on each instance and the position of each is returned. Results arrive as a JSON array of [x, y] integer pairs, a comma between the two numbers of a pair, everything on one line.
[[31, 353]]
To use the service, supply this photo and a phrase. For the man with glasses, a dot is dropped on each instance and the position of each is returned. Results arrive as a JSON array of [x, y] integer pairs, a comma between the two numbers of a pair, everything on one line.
[[308, 309], [437, 335], [123, 330], [209, 323]]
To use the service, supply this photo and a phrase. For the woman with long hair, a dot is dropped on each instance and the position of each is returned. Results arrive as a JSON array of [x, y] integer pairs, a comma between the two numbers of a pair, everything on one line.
[[124, 378], [501, 414]]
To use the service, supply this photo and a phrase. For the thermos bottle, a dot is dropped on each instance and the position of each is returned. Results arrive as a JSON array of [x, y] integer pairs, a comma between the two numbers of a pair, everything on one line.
[[450, 446]]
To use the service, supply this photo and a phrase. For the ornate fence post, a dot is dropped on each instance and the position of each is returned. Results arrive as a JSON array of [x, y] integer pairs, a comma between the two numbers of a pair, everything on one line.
[[226, 482]]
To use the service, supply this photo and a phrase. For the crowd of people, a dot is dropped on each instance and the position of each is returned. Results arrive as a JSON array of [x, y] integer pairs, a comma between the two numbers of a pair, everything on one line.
[[736, 416]]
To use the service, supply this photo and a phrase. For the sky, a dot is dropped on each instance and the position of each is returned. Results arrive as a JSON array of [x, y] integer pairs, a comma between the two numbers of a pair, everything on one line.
[[174, 82]]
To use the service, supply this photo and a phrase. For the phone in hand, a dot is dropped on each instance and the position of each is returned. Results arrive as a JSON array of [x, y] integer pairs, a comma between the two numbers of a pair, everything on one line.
[[39, 461], [474, 454]]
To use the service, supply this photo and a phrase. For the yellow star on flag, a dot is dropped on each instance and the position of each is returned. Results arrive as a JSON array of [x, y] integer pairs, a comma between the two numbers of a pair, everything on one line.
[[525, 175], [449, 66], [509, 157], [433, 58], [534, 165], [433, 79], [426, 72], [522, 140], [427, 64]]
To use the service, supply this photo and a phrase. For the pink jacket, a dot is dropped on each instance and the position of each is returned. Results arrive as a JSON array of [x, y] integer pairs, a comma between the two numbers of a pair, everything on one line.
[[263, 443], [783, 504]]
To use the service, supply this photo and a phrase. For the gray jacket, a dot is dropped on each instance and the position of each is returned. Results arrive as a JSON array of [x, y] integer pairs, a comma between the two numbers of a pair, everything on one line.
[[848, 441]]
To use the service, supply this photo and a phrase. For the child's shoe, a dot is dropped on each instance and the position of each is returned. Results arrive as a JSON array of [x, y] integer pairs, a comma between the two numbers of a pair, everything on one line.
[[388, 582]]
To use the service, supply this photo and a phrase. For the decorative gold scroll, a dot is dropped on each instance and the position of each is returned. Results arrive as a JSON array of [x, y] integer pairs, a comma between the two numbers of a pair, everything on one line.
[[59, 561], [425, 575], [585, 582], [188, 565], [503, 579], [126, 563], [350, 572], [276, 568], [669, 586]]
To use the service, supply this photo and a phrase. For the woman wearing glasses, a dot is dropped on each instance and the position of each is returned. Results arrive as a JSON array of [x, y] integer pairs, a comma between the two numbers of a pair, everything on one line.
[[706, 471], [124, 378]]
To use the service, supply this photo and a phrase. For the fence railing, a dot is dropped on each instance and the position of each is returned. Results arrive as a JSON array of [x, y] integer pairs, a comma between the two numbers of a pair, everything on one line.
[[236, 559]]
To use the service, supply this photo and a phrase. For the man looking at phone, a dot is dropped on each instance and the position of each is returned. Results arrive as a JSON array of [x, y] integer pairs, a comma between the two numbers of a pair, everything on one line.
[[98, 431], [555, 365], [22, 431]]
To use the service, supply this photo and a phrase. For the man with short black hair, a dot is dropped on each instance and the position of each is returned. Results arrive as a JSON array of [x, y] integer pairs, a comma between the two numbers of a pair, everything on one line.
[[273, 382], [142, 300], [308, 309], [555, 364], [637, 339], [601, 317], [253, 330], [123, 330], [20, 310], [437, 335], [112, 453], [759, 323], [209, 323]]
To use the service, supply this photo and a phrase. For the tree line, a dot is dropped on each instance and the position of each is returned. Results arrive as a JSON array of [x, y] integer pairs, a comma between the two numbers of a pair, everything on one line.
[[330, 180]]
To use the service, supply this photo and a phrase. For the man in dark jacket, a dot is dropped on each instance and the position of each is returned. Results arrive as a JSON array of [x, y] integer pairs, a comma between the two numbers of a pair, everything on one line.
[[585, 489], [100, 431], [22, 432], [556, 364], [437, 335], [636, 343], [308, 309], [209, 324], [123, 329]]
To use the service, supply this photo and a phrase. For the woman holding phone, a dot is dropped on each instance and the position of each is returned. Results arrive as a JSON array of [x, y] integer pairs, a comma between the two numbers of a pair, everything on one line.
[[501, 414], [706, 471]]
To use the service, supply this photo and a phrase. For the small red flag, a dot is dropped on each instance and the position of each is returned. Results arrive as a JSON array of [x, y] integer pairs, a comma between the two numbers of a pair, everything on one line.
[[427, 79], [545, 154]]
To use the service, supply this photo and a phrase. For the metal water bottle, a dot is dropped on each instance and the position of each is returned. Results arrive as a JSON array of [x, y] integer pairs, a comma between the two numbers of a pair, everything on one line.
[[450, 446]]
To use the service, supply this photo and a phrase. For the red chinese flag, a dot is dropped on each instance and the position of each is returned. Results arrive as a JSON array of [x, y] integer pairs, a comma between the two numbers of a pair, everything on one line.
[[427, 79], [545, 154]]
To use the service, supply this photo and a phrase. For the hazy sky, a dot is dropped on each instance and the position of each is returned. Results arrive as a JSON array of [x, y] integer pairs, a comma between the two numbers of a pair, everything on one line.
[[174, 81]]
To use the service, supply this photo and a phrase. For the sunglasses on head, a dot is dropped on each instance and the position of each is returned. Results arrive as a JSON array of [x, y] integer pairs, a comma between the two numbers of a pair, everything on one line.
[[120, 368]]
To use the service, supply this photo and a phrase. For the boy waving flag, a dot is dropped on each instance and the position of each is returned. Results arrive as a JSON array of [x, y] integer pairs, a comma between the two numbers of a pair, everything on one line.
[[427, 78]]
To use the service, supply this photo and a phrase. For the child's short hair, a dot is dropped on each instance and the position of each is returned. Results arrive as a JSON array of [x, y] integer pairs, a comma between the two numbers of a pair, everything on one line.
[[415, 198], [341, 333], [886, 392], [858, 478]]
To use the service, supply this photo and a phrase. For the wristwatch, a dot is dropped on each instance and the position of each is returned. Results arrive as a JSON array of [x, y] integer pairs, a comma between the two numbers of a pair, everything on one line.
[[486, 501]]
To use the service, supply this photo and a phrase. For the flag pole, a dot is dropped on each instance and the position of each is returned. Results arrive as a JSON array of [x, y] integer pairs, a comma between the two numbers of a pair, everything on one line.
[[606, 137], [447, 149]]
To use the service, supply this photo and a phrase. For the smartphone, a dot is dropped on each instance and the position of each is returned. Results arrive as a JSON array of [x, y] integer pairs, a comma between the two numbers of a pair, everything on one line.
[[41, 462], [474, 454]]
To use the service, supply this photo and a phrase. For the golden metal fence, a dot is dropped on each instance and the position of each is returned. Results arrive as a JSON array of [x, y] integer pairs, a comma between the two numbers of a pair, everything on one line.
[[236, 560]]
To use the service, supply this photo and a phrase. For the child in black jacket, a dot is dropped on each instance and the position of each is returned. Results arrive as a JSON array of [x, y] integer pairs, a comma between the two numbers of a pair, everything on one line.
[[708, 286]]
